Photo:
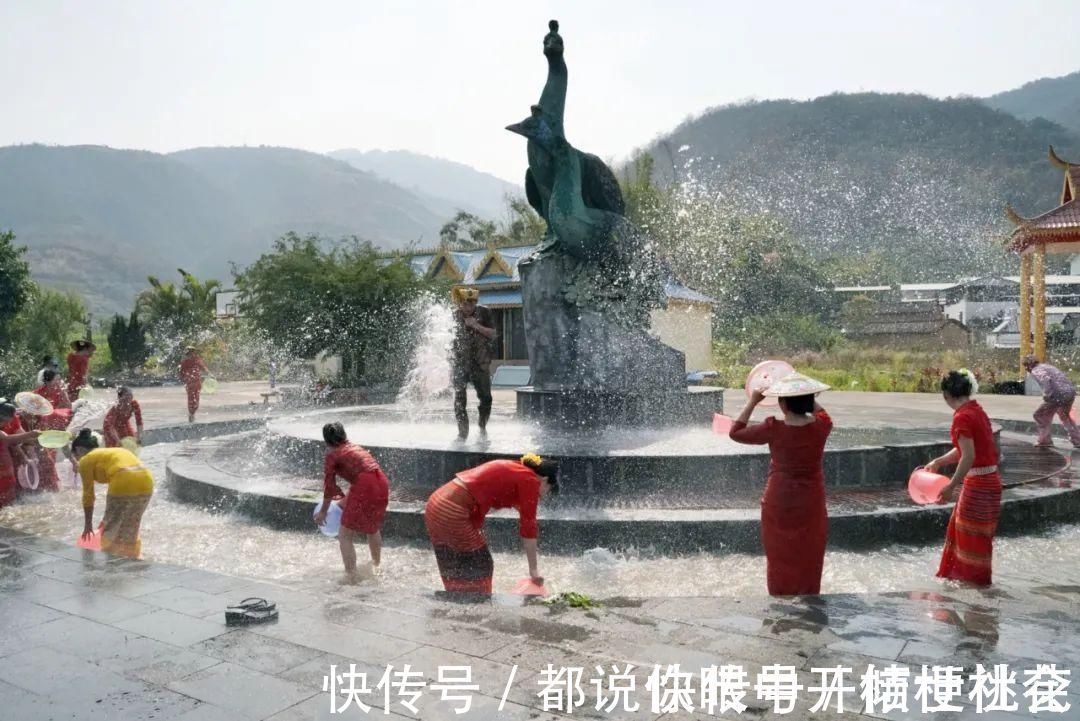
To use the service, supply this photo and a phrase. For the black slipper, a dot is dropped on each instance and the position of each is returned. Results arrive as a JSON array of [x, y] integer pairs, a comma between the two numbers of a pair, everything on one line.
[[251, 610], [246, 618]]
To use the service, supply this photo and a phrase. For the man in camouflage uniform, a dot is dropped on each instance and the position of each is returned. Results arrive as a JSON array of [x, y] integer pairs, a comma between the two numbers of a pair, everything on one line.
[[474, 329]]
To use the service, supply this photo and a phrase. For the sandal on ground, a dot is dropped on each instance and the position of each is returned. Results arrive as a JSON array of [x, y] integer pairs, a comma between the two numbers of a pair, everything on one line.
[[251, 610]]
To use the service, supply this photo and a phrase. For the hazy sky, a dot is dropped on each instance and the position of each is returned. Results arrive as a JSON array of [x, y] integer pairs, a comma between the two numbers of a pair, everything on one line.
[[444, 78]]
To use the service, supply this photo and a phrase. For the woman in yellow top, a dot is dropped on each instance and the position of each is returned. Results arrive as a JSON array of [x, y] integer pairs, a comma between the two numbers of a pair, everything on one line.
[[130, 488]]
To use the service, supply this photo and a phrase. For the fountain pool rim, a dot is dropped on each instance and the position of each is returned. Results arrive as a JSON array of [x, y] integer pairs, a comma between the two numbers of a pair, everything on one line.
[[1044, 500]]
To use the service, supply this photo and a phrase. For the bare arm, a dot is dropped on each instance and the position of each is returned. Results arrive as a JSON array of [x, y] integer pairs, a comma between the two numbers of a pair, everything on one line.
[[473, 323], [946, 460], [967, 459], [88, 522], [531, 552], [18, 438], [748, 409]]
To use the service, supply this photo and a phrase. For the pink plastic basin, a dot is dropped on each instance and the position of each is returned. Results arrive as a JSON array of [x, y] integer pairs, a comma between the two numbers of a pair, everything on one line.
[[721, 424], [527, 587], [764, 374], [925, 486]]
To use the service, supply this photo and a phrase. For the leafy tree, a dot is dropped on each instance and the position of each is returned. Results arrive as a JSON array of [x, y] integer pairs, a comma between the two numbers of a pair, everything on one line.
[[15, 284], [174, 314], [521, 226], [313, 296], [467, 232], [49, 321], [749, 263], [127, 342]]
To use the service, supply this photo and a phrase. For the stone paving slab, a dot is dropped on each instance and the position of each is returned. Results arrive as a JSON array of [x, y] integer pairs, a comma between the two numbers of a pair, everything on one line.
[[72, 648]]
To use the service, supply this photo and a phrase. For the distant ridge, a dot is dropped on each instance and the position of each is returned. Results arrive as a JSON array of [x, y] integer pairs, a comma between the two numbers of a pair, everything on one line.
[[921, 181], [1056, 99], [443, 184]]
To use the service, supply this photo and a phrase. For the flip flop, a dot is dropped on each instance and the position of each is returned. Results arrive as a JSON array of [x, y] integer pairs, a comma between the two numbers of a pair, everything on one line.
[[251, 610]]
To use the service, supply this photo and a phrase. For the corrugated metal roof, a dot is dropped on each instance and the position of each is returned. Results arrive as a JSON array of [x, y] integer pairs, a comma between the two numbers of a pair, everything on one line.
[[501, 298], [493, 279], [861, 288]]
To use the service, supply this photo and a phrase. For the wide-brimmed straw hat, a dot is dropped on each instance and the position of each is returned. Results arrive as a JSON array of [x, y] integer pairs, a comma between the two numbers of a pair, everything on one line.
[[795, 384]]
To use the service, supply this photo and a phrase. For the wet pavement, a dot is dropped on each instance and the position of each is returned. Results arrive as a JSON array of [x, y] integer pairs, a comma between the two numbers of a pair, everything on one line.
[[87, 636]]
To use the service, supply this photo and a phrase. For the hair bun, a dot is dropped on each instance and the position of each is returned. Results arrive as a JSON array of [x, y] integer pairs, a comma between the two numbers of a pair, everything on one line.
[[531, 460]]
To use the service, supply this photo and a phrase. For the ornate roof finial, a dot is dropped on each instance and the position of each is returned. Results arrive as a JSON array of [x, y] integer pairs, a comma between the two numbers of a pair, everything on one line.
[[1056, 160], [1012, 215]]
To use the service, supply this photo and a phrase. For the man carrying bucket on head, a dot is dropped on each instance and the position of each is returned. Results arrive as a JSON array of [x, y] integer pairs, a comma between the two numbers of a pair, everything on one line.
[[191, 372], [474, 327], [1058, 396]]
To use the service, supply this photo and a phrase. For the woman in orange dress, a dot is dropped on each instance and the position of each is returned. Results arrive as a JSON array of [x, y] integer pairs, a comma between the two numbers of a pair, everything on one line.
[[455, 513], [794, 522], [969, 539]]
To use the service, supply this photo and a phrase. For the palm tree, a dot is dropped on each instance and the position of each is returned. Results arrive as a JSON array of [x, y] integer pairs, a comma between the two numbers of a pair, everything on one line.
[[178, 313]]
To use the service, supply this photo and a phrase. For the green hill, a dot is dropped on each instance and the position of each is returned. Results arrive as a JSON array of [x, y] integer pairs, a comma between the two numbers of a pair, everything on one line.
[[442, 183], [98, 220], [922, 182], [1056, 99]]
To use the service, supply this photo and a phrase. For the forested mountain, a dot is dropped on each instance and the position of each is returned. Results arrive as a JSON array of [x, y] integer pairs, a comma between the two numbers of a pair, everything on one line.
[[443, 184], [98, 220], [1056, 99], [904, 184]]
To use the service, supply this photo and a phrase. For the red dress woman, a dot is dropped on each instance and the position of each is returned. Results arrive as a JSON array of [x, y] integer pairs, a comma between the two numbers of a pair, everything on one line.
[[364, 508], [455, 515], [969, 539], [79, 365], [191, 372], [117, 423], [794, 521]]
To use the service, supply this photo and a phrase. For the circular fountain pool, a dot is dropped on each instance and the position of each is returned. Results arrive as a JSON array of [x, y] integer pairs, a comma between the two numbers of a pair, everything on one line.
[[675, 491]]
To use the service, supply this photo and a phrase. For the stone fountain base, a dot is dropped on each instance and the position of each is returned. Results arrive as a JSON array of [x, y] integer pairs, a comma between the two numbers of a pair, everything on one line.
[[596, 409]]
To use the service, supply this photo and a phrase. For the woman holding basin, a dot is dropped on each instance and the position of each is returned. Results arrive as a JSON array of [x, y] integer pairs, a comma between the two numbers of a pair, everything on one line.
[[455, 513], [364, 509], [969, 539], [794, 522]]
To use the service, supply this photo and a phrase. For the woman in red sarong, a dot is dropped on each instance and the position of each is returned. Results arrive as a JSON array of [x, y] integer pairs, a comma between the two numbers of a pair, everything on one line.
[[11, 437], [78, 362], [794, 522], [191, 373], [455, 513], [117, 423], [969, 539], [364, 508]]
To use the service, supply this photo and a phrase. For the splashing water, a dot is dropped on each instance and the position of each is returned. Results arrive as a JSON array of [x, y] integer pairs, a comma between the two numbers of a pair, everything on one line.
[[429, 376], [86, 413]]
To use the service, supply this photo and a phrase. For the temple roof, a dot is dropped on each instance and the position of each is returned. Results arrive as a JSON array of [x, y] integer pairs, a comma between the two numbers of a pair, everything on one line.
[[1060, 225]]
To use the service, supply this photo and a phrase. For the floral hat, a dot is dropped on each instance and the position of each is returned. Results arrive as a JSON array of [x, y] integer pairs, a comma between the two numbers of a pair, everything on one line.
[[795, 384]]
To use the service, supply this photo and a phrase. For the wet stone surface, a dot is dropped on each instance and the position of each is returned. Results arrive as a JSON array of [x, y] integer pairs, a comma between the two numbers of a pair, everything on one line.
[[73, 648]]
